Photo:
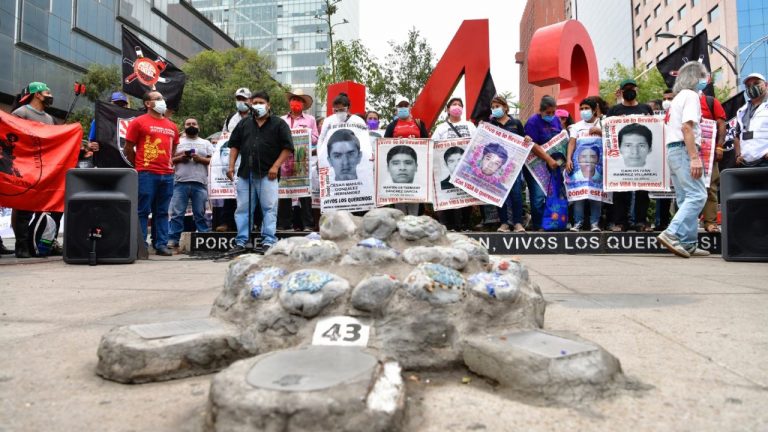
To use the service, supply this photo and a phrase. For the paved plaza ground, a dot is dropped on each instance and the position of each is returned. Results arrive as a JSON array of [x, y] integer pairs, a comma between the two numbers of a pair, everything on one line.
[[692, 334]]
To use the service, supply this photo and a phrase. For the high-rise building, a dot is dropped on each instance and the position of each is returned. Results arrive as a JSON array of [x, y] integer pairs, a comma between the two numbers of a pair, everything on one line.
[[55, 41], [753, 32], [537, 14], [688, 18], [293, 33], [609, 24]]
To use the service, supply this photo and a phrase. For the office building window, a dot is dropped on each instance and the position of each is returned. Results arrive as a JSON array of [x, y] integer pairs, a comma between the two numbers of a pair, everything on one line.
[[666, 2], [715, 41], [655, 11], [668, 24], [647, 44], [658, 57], [637, 9], [670, 48], [637, 31], [645, 22], [681, 12], [639, 52], [698, 27], [695, 3], [714, 13]]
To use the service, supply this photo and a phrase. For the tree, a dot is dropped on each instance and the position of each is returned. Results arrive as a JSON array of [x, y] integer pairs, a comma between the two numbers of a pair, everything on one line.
[[406, 71], [100, 81], [650, 84], [353, 63], [330, 8], [212, 79]]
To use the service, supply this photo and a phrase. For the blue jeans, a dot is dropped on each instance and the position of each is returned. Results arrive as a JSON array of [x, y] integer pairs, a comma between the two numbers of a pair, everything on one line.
[[264, 193], [595, 207], [182, 193], [155, 192], [537, 197], [514, 200], [691, 194]]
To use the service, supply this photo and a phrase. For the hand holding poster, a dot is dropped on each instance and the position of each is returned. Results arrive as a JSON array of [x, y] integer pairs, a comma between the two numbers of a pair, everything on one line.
[[294, 172], [491, 164], [585, 181], [557, 148], [707, 150], [446, 155], [635, 156], [403, 170], [346, 169], [219, 186]]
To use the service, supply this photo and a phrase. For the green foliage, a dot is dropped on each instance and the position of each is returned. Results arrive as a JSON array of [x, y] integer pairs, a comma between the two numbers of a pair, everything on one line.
[[723, 93], [82, 116], [650, 84], [100, 81], [353, 63], [212, 79], [408, 67]]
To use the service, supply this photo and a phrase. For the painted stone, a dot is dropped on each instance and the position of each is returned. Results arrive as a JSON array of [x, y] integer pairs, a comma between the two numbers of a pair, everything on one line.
[[263, 284], [493, 285], [308, 292], [315, 251], [436, 284], [370, 251]]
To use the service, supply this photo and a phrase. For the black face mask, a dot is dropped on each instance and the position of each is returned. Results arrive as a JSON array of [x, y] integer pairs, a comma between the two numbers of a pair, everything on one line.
[[47, 101], [191, 131], [629, 95], [754, 91]]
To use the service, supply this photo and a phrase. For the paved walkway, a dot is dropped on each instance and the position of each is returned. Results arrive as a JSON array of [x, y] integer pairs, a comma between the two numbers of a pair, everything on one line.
[[693, 333]]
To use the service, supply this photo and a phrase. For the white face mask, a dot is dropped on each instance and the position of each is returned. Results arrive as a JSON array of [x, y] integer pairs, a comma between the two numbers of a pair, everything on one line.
[[160, 107], [341, 116], [666, 104]]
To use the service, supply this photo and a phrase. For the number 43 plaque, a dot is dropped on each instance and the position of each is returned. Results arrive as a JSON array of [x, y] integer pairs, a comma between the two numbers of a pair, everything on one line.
[[341, 331]]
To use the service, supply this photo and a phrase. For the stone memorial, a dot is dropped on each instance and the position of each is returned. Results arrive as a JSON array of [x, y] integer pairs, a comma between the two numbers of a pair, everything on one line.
[[382, 292]]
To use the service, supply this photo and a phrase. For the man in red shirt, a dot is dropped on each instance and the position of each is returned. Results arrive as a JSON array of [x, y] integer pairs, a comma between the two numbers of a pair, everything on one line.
[[150, 143], [713, 110]]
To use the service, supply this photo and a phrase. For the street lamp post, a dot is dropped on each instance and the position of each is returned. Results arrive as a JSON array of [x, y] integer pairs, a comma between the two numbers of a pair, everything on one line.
[[719, 48]]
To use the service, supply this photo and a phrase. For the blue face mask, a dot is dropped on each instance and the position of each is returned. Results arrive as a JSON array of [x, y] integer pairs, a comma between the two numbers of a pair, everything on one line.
[[403, 113], [260, 109], [701, 85], [497, 113], [586, 115], [548, 118]]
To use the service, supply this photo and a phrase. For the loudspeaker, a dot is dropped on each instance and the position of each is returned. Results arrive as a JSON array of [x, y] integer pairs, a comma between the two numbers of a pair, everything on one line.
[[744, 199], [101, 210]]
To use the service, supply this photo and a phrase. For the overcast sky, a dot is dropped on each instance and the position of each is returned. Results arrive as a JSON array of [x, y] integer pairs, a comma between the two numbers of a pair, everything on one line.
[[438, 21]]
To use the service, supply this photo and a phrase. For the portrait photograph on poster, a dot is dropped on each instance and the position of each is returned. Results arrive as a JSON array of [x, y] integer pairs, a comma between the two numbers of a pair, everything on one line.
[[634, 155], [557, 148], [585, 181], [345, 169], [403, 170], [491, 164], [294, 172], [446, 155], [219, 186]]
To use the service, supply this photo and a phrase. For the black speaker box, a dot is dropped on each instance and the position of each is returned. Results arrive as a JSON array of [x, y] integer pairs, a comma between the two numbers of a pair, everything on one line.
[[101, 208], [744, 202]]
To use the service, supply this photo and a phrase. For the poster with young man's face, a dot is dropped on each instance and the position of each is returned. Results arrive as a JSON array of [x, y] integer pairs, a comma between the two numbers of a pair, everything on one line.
[[635, 155], [403, 170], [345, 168], [446, 155]]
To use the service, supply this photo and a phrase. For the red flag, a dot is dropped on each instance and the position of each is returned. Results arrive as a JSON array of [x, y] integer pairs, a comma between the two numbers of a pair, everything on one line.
[[34, 159]]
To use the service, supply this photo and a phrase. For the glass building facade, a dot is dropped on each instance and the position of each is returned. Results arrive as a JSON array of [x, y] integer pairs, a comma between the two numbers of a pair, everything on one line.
[[55, 41], [751, 16], [285, 30]]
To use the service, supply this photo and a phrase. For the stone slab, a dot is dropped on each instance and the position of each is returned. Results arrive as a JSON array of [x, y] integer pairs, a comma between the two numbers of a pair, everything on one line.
[[547, 345], [175, 328]]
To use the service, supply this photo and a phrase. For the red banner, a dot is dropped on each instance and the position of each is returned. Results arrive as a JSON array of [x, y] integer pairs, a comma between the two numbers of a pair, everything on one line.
[[34, 159]]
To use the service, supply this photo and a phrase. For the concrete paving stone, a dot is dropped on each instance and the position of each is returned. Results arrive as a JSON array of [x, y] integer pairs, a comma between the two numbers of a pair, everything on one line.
[[650, 282]]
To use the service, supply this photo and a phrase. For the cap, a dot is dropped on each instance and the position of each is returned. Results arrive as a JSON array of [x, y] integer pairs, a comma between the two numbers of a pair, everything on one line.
[[752, 75], [299, 93], [119, 96], [244, 92], [627, 81], [401, 99], [561, 113], [35, 87]]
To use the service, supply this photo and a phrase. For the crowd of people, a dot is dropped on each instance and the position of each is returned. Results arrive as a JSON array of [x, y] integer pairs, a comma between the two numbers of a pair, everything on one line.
[[173, 167]]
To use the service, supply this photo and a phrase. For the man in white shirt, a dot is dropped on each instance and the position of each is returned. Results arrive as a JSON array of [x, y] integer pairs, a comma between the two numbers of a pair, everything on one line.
[[751, 141]]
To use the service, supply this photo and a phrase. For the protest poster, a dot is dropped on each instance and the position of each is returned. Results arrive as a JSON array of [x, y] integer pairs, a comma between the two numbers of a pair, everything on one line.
[[707, 149], [634, 154], [585, 181], [345, 169], [219, 186], [446, 155], [491, 164], [403, 170], [6, 229], [557, 147], [294, 172], [314, 181]]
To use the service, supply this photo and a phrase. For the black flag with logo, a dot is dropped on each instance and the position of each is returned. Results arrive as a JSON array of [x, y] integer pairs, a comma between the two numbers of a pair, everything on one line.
[[144, 70], [695, 49], [482, 109], [111, 124]]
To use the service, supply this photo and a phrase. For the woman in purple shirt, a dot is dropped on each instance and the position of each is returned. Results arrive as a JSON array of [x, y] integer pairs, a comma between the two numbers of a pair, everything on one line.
[[541, 127]]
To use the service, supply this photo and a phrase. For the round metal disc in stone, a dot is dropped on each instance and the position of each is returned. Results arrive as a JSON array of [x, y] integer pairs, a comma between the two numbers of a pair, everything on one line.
[[311, 368]]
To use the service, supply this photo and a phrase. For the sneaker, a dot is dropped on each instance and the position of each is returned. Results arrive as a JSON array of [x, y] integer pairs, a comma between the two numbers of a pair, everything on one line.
[[672, 243], [163, 252], [23, 253], [4, 250], [265, 248], [697, 252], [504, 228], [617, 228], [236, 249], [576, 227], [519, 228], [595, 227], [172, 244], [222, 228]]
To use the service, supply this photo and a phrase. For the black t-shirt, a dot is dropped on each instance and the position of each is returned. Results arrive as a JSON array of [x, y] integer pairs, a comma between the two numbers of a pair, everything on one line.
[[621, 109], [512, 125], [264, 144]]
